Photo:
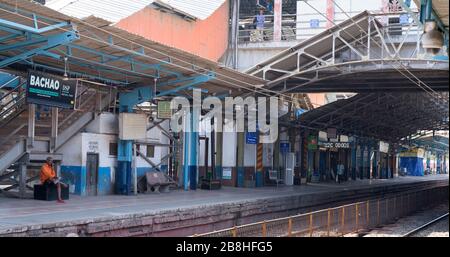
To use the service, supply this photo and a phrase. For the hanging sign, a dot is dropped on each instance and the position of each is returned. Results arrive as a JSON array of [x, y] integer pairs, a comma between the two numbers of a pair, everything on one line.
[[251, 138], [164, 111], [284, 147], [334, 144], [46, 89]]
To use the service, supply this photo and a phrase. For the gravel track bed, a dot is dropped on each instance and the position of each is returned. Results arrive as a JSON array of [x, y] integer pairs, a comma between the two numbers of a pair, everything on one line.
[[439, 229], [406, 224]]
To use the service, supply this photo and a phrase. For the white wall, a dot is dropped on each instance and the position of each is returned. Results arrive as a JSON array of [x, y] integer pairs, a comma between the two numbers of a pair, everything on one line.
[[249, 155], [71, 151], [229, 149]]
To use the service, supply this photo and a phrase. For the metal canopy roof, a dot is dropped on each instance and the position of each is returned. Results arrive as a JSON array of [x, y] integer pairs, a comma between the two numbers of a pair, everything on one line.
[[441, 9], [357, 55], [434, 142], [383, 116], [114, 59]]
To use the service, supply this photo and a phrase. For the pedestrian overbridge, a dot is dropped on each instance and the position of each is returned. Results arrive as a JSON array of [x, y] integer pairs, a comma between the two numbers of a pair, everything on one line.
[[366, 53]]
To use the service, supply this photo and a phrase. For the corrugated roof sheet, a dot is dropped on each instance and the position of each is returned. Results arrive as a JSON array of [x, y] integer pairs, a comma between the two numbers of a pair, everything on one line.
[[116, 10], [200, 9], [110, 10]]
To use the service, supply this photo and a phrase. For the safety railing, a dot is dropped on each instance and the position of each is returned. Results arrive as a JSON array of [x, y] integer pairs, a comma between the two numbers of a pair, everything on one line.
[[299, 27], [11, 103], [346, 220]]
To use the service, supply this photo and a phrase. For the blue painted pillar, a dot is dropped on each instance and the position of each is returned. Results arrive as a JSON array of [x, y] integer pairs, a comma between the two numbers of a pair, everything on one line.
[[193, 142], [123, 173], [438, 163], [186, 150], [240, 170], [125, 147]]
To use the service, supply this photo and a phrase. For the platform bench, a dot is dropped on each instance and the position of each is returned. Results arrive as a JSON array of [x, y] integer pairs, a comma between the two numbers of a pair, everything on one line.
[[49, 193]]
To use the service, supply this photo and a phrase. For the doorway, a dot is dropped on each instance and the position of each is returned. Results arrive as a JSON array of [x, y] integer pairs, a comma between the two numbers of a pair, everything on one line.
[[92, 160]]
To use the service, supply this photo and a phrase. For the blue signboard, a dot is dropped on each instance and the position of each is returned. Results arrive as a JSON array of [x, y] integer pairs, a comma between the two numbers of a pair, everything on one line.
[[314, 23], [251, 138], [404, 19], [284, 147]]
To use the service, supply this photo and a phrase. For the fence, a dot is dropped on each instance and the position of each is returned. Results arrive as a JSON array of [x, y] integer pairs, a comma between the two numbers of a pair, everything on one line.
[[339, 221], [294, 27]]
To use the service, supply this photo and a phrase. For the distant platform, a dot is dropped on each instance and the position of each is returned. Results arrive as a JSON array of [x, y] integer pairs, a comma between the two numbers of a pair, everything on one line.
[[187, 212]]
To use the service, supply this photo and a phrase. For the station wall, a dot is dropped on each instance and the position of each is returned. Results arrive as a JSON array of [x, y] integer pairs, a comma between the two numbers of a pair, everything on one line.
[[100, 137]]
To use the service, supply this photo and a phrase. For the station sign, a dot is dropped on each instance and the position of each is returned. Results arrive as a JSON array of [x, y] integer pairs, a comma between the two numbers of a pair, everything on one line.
[[284, 147], [335, 144], [46, 89], [251, 138]]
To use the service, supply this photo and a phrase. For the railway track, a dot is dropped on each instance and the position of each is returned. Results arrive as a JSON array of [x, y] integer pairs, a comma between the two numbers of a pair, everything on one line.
[[424, 226]]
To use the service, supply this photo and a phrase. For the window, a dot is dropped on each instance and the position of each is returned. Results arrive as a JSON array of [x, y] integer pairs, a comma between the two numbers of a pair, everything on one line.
[[113, 148], [150, 151]]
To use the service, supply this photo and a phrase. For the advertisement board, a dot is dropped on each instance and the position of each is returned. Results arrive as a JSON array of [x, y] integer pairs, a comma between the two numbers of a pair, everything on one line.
[[46, 89]]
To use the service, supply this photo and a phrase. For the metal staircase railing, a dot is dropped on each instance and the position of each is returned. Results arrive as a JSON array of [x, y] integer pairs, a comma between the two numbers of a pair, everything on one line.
[[12, 104]]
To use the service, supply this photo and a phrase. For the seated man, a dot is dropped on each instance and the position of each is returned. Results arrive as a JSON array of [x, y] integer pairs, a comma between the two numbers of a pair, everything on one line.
[[48, 177]]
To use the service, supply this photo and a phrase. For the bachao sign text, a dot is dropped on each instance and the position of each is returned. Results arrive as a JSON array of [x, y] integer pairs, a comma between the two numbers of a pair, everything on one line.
[[46, 89]]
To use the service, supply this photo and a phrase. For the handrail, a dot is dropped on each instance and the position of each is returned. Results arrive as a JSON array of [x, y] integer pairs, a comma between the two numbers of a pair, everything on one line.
[[74, 112], [17, 99], [8, 137], [294, 30], [12, 90]]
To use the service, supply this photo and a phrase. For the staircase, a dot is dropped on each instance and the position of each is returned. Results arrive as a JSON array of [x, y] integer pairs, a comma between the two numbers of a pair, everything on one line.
[[16, 153]]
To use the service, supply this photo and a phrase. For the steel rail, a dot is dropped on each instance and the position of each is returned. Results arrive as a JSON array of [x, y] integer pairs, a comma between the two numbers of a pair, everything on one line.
[[424, 226]]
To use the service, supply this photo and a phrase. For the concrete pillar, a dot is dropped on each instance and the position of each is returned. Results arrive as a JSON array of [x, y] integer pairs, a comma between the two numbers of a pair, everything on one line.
[[54, 132], [219, 154], [240, 159], [361, 164], [259, 165], [123, 173], [193, 146], [186, 150], [277, 12], [180, 155], [22, 179], [353, 160], [445, 164], [31, 124]]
